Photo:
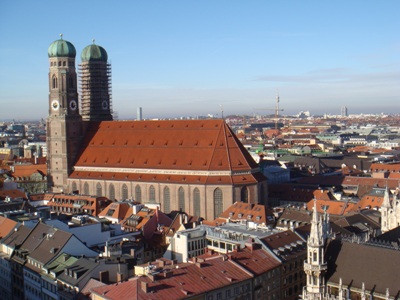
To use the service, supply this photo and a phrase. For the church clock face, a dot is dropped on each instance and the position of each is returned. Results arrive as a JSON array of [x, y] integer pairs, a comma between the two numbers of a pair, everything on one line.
[[73, 105], [104, 105], [55, 105]]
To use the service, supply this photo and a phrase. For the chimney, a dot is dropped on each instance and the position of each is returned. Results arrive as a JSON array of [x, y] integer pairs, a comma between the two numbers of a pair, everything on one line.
[[161, 263], [120, 277], [144, 286], [104, 277], [167, 273], [180, 218]]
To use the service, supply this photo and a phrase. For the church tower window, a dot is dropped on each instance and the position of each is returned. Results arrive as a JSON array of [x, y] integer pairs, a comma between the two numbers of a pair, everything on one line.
[[244, 195], [138, 193], [218, 202], [181, 198], [99, 190], [196, 202], [124, 192], [86, 189], [152, 194], [111, 192], [74, 187], [167, 200], [54, 82]]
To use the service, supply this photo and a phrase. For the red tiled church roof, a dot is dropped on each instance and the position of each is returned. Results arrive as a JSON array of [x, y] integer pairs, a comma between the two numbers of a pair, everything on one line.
[[190, 145]]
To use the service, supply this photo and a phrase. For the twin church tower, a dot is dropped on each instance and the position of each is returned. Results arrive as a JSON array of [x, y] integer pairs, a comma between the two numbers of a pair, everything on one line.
[[69, 116]]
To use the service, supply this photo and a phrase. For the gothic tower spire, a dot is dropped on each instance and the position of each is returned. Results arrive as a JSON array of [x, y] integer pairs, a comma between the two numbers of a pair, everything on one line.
[[386, 209], [315, 266], [64, 121]]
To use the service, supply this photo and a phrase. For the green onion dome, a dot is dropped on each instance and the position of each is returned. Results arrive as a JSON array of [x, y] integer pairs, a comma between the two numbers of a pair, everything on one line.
[[94, 53], [61, 48]]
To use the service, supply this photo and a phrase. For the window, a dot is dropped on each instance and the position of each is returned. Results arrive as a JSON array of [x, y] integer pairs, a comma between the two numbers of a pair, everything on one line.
[[181, 198], [167, 200], [138, 193], [152, 194], [218, 202], [54, 82], [124, 192], [99, 190], [74, 187], [86, 189], [111, 192], [244, 194], [196, 202]]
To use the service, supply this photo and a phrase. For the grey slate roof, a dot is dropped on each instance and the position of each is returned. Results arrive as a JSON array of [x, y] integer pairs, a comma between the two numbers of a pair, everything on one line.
[[376, 267]]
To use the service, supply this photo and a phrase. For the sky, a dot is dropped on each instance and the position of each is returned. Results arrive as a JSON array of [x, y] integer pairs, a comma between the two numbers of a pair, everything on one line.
[[190, 58]]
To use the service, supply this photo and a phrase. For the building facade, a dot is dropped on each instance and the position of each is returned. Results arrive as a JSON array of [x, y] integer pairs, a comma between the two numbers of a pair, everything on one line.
[[197, 166]]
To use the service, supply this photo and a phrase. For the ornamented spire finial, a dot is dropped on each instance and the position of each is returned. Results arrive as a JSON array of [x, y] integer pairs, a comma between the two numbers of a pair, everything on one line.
[[93, 40], [61, 35]]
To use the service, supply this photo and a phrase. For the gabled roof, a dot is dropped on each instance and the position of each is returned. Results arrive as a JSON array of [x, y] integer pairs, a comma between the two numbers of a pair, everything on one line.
[[117, 211], [333, 207], [257, 213], [28, 170], [6, 226], [285, 245], [74, 273], [50, 246], [376, 267], [16, 237], [192, 145], [13, 194], [186, 280]]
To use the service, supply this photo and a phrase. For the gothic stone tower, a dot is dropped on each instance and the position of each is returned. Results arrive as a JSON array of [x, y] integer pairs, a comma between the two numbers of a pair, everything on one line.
[[95, 81], [390, 212], [315, 267], [64, 122]]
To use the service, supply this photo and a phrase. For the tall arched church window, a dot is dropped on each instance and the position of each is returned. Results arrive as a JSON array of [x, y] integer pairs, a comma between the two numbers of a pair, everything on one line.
[[196, 202], [99, 190], [111, 192], [86, 189], [152, 194], [71, 82], [218, 203], [138, 193], [167, 200], [74, 187], [181, 198], [244, 194], [124, 192], [54, 83]]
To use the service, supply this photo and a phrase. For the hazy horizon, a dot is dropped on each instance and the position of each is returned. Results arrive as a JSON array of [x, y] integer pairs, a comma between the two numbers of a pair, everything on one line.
[[186, 58]]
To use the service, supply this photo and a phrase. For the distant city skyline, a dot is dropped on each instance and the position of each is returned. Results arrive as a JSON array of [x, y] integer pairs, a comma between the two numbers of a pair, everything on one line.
[[187, 58]]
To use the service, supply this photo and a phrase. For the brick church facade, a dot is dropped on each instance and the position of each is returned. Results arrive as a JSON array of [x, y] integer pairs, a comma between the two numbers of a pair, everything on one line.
[[198, 166]]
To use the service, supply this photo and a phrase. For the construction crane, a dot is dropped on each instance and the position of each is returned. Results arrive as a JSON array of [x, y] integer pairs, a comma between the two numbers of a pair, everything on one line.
[[276, 110]]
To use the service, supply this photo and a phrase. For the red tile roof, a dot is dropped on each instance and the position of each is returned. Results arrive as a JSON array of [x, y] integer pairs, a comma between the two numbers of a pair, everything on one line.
[[201, 145], [6, 225], [28, 170], [333, 207], [257, 213], [184, 280], [12, 194]]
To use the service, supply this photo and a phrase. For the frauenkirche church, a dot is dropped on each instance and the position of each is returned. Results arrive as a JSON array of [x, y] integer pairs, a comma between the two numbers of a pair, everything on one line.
[[198, 166]]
